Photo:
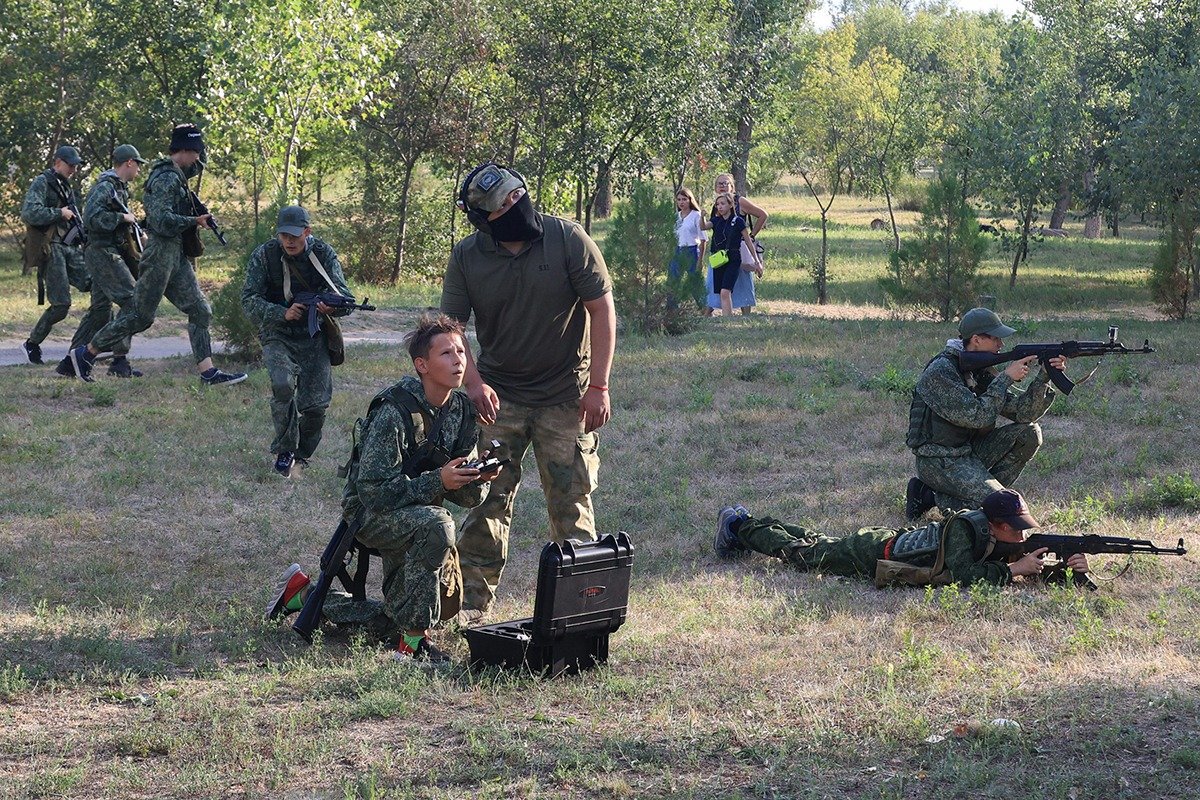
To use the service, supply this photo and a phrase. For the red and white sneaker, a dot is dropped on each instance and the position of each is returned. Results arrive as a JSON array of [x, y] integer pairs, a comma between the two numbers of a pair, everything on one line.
[[289, 593]]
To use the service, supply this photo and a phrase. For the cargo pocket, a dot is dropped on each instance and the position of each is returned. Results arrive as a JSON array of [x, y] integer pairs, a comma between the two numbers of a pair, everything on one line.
[[585, 468]]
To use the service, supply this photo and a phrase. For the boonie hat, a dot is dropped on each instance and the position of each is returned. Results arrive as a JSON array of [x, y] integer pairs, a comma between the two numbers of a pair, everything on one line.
[[1009, 506], [982, 320], [490, 187], [68, 154], [292, 220], [125, 152]]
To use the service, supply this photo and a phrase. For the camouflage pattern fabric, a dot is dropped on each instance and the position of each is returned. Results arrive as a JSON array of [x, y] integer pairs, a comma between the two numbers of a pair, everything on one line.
[[403, 517], [568, 464], [855, 555], [301, 388], [164, 271], [112, 281], [995, 462], [960, 452], [64, 270], [65, 267], [301, 376]]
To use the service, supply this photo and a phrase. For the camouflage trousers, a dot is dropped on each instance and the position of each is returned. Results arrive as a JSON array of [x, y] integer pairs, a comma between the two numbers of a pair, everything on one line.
[[994, 463], [111, 283], [64, 269], [301, 388], [854, 555], [568, 464], [164, 272], [413, 542]]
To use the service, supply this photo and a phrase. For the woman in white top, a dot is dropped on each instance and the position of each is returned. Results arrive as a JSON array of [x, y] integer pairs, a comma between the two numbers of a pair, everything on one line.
[[690, 239]]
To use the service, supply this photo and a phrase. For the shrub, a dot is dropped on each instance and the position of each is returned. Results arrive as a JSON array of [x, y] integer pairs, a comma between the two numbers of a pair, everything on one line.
[[935, 272], [1171, 273], [229, 321], [639, 246]]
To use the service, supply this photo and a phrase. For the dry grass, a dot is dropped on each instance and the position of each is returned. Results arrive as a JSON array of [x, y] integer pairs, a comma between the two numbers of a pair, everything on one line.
[[138, 541]]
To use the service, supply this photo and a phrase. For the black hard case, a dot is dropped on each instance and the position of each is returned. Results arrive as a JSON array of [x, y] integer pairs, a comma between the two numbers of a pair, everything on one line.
[[582, 595]]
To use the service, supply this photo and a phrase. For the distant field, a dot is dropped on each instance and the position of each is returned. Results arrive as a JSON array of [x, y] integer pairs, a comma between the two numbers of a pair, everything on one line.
[[141, 530]]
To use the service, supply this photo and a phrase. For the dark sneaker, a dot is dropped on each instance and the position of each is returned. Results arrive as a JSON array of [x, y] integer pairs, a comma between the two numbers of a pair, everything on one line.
[[215, 377], [284, 463], [122, 368], [81, 361], [425, 652], [33, 352], [65, 368], [726, 543], [289, 593], [918, 499]]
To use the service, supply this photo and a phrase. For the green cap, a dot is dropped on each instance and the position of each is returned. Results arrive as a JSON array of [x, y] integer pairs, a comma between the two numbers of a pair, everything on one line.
[[124, 152], [982, 320], [68, 154], [490, 186], [292, 220]]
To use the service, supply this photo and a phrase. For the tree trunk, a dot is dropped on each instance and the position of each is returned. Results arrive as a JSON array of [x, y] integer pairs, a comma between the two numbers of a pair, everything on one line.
[[1114, 221], [1023, 245], [402, 213], [256, 189], [604, 198], [1092, 223], [319, 180], [887, 193], [1061, 204], [741, 153], [822, 267]]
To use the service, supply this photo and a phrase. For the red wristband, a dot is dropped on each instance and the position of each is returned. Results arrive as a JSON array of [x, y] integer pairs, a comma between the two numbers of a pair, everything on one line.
[[598, 388]]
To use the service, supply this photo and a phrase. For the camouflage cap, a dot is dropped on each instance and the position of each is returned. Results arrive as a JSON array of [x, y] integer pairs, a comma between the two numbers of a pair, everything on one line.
[[982, 320], [292, 220], [68, 154], [489, 187], [1009, 506], [125, 152]]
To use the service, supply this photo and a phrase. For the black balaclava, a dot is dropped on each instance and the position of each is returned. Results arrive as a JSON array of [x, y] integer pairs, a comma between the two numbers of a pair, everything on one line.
[[521, 223]]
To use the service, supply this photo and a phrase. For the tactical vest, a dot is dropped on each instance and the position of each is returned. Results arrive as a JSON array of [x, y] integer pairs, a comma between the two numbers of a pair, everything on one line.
[[114, 239], [273, 258], [927, 427], [419, 428], [58, 194], [917, 557]]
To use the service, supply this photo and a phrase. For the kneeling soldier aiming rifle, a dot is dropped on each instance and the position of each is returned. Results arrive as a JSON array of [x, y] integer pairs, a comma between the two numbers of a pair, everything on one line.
[[414, 451]]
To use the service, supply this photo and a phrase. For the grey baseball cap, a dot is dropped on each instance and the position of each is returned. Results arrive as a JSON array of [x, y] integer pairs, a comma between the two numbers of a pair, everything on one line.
[[68, 154], [292, 220], [124, 152], [490, 187], [982, 320]]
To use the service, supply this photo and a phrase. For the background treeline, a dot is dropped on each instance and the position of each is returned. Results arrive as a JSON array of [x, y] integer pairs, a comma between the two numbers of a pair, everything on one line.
[[370, 110]]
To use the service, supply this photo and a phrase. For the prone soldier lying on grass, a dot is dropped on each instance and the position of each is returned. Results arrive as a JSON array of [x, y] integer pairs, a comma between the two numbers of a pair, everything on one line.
[[962, 549], [416, 444]]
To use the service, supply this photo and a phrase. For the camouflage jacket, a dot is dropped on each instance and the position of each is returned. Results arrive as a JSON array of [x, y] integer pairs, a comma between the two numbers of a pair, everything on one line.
[[43, 204], [263, 297], [101, 212], [952, 409], [381, 485], [168, 210]]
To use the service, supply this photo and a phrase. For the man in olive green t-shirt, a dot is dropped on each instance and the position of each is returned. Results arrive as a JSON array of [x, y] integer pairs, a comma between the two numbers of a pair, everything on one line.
[[546, 325]]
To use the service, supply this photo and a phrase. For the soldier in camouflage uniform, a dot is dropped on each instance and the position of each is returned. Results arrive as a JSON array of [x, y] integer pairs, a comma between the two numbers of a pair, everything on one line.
[[962, 456], [165, 270], [109, 225], [969, 551], [542, 301], [46, 211], [415, 443], [299, 367]]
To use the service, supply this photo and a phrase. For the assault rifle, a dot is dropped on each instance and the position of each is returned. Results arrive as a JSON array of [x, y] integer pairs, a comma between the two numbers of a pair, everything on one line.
[[199, 209], [134, 242], [973, 360], [1065, 546], [331, 299], [75, 234], [333, 562]]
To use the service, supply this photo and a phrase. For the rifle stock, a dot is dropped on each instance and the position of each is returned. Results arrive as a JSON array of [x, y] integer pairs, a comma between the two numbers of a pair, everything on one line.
[[332, 561]]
